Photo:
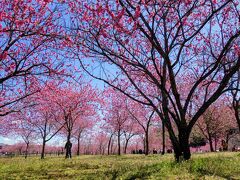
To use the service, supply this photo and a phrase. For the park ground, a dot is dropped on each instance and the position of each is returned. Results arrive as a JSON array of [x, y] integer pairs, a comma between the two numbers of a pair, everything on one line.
[[221, 165]]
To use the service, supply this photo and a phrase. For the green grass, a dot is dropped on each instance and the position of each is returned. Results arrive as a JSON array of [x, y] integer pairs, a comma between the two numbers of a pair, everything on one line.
[[201, 166]]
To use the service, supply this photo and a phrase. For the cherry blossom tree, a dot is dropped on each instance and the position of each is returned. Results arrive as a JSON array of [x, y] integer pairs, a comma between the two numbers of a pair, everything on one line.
[[144, 117], [39, 115], [160, 45], [24, 129], [72, 105], [158, 138], [212, 128], [217, 123], [130, 130], [83, 125], [28, 34], [44, 117], [110, 134], [16, 149], [116, 114], [100, 144]]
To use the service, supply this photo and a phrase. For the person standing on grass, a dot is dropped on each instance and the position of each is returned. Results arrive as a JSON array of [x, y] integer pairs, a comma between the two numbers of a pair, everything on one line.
[[68, 147]]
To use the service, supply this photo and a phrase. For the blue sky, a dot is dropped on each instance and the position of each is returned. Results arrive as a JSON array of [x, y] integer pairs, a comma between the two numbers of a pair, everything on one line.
[[6, 140]]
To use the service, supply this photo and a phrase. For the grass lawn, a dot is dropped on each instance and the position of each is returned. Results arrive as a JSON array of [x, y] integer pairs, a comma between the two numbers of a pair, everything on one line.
[[201, 166]]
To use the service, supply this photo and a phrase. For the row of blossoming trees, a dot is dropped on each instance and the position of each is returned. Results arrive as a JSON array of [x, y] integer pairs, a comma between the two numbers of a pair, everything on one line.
[[169, 65], [74, 114]]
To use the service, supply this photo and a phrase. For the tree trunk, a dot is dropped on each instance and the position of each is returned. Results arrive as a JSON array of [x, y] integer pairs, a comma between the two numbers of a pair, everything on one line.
[[228, 136], [68, 149], [26, 151], [44, 139], [78, 140], [111, 148], [165, 105], [184, 144], [146, 143], [119, 143], [163, 138], [78, 147], [210, 140], [177, 150], [125, 147], [103, 151], [181, 145], [43, 149], [236, 107], [109, 143], [211, 143], [215, 143]]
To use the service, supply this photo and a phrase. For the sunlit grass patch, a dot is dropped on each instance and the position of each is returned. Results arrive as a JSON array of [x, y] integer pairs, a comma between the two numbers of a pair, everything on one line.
[[201, 166]]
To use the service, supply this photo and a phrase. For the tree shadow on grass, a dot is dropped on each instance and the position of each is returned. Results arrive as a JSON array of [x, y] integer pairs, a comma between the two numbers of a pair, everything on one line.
[[218, 167]]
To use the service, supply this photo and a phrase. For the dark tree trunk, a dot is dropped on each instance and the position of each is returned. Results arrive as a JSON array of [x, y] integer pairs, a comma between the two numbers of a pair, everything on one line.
[[109, 143], [44, 139], [78, 147], [112, 143], [78, 141], [125, 147], [66, 155], [43, 149], [181, 145], [26, 151], [176, 149], [165, 104], [236, 107], [146, 143], [163, 139], [184, 144], [211, 143], [119, 143], [68, 148], [209, 135]]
